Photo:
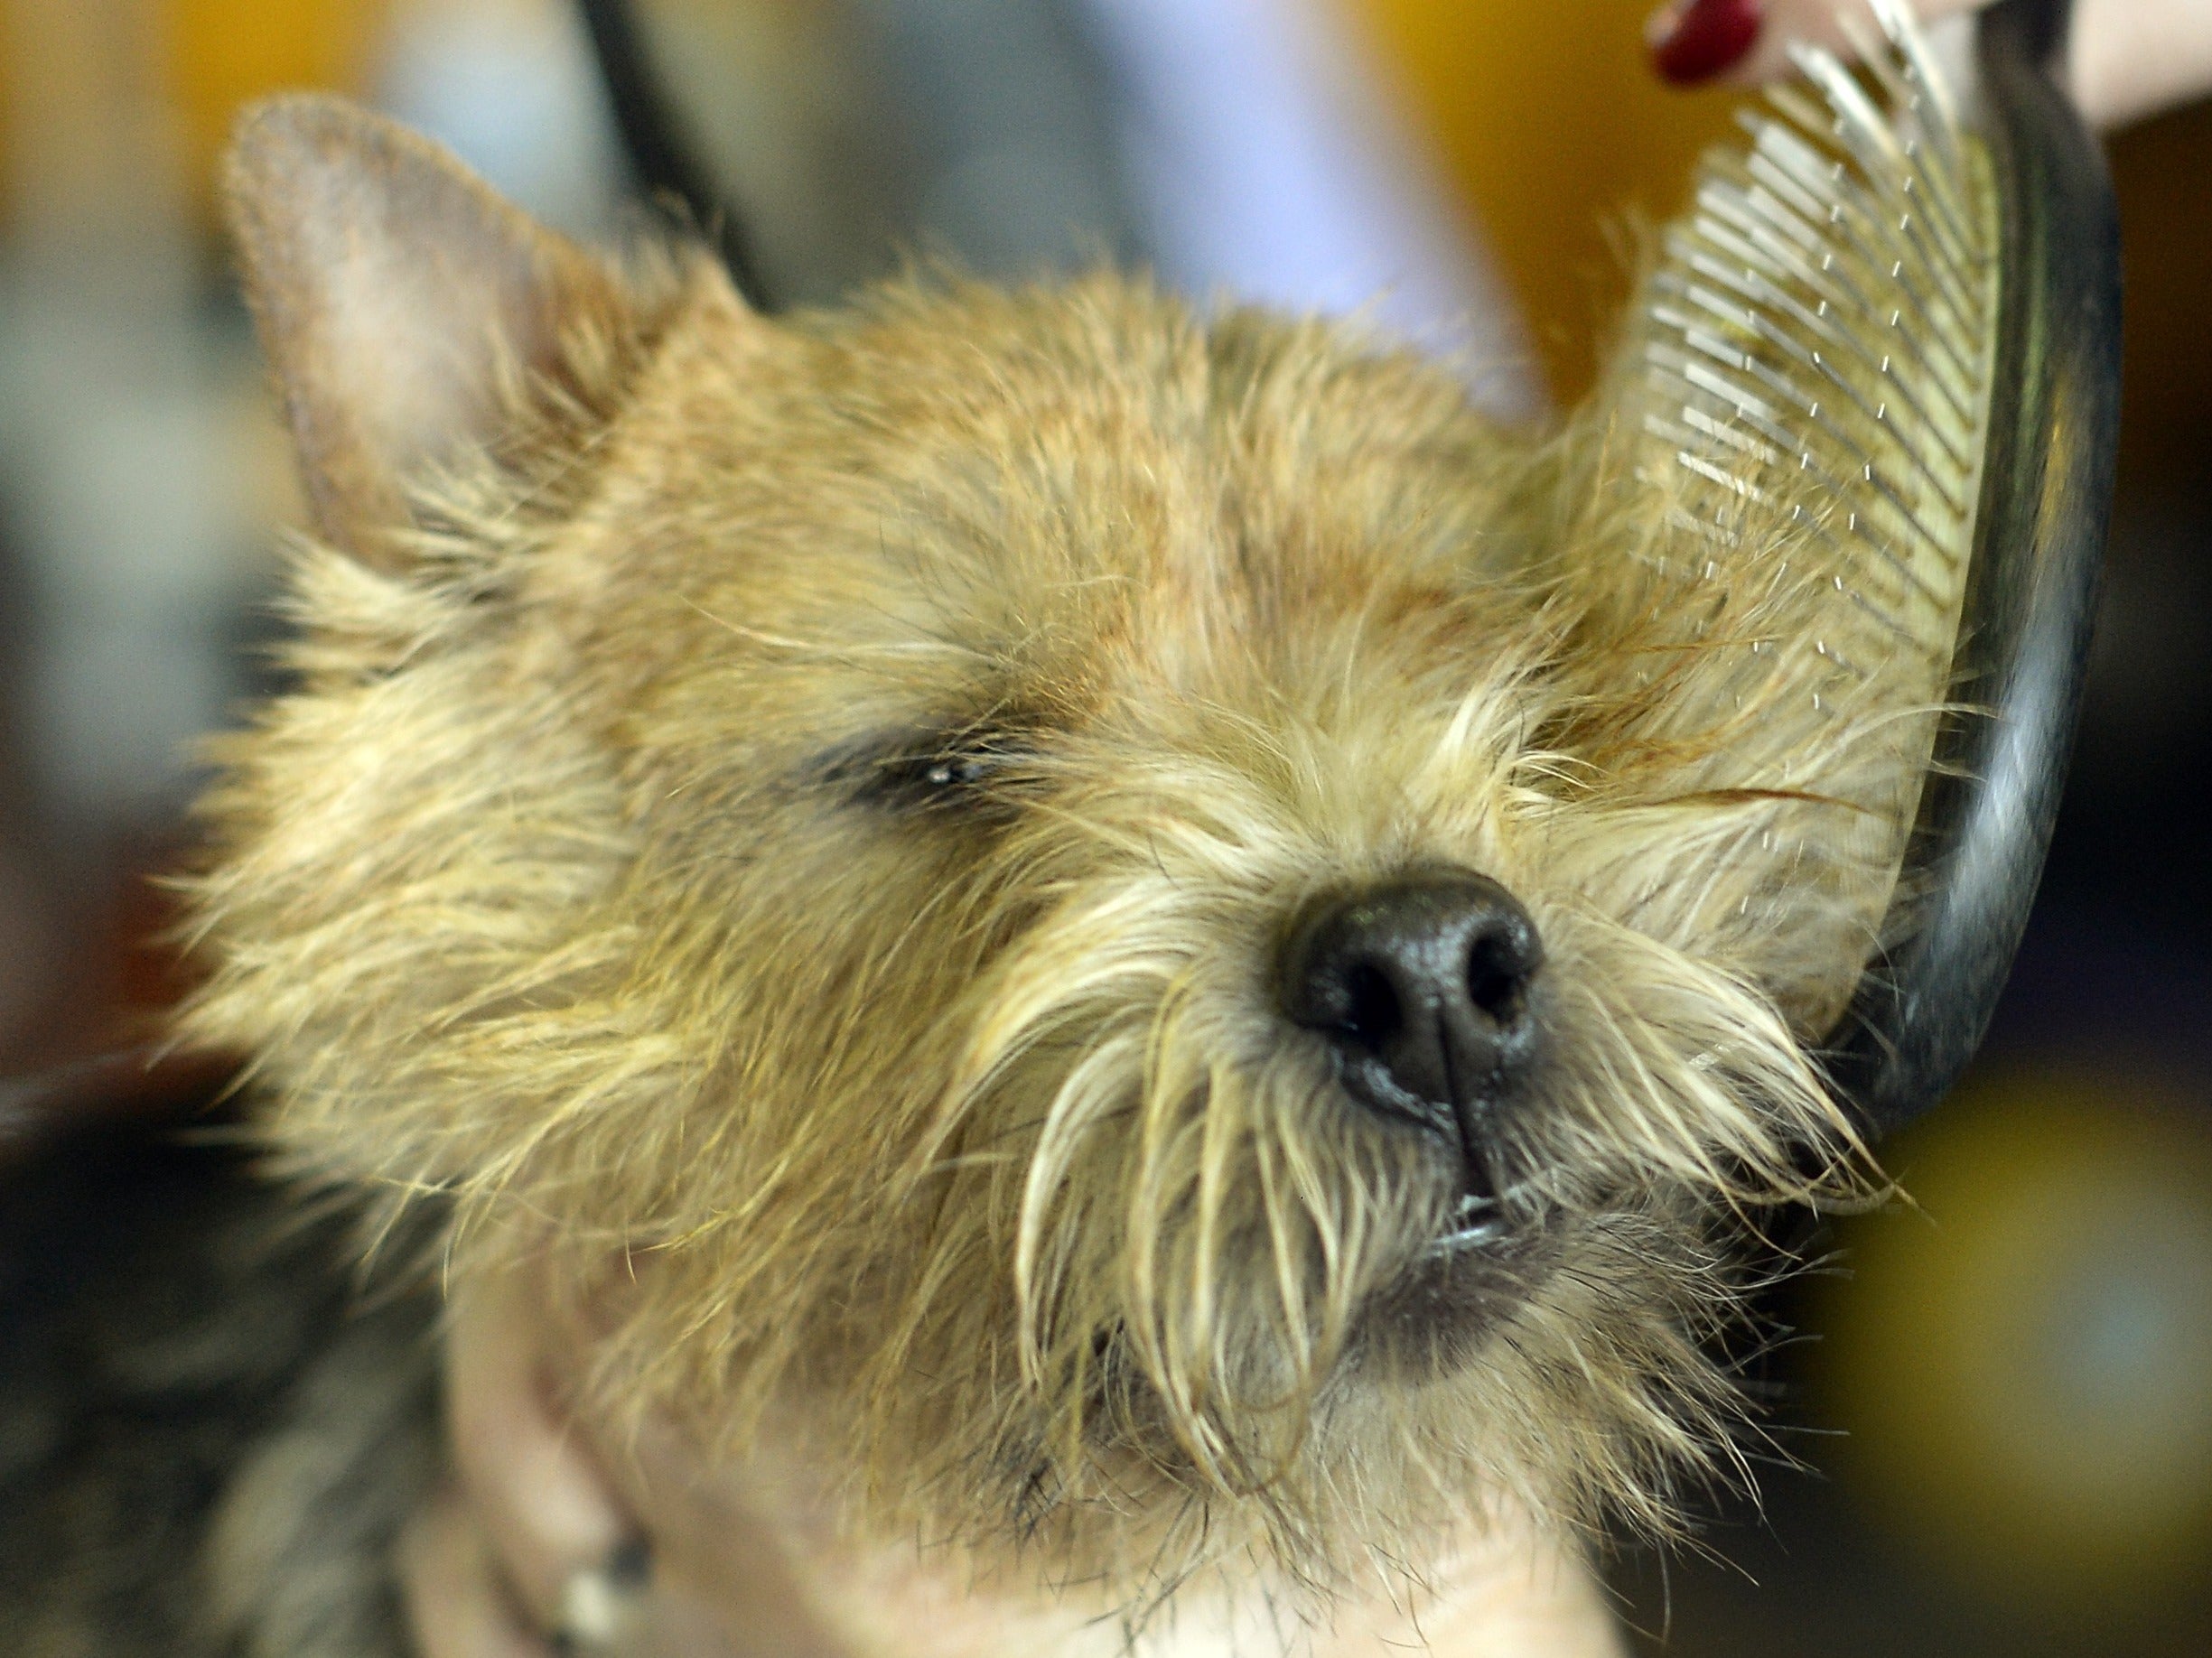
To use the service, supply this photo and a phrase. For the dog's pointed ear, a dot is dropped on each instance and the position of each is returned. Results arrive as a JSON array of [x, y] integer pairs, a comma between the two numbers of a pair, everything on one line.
[[401, 301]]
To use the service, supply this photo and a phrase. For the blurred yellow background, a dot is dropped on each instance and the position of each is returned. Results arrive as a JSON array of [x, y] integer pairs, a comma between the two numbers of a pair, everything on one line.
[[1559, 139]]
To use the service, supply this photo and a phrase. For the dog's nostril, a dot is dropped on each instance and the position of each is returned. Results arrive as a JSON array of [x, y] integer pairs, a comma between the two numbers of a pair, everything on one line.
[[1421, 984], [1498, 976], [1372, 1015]]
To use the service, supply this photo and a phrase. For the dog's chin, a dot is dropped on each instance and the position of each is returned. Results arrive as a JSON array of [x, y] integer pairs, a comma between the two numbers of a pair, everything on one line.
[[1454, 1292]]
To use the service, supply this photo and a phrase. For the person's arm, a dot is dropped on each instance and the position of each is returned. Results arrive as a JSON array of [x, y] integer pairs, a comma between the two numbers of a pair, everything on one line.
[[2128, 58]]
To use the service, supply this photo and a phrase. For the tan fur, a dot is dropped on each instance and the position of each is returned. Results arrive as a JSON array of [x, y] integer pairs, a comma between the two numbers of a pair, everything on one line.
[[591, 878]]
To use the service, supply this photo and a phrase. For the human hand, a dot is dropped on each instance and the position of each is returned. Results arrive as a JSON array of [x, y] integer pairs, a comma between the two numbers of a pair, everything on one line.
[[2126, 59], [535, 1549], [527, 1519]]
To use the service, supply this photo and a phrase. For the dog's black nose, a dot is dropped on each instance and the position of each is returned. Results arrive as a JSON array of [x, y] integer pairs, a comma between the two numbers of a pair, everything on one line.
[[1423, 986]]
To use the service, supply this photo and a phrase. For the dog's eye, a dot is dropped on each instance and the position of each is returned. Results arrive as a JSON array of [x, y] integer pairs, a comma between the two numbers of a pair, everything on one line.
[[957, 769], [956, 774]]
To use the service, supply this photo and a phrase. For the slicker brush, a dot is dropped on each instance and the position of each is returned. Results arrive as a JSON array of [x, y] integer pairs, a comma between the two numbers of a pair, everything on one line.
[[1883, 351]]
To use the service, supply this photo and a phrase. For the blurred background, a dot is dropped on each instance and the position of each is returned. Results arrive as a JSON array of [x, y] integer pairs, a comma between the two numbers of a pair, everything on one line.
[[1993, 1418]]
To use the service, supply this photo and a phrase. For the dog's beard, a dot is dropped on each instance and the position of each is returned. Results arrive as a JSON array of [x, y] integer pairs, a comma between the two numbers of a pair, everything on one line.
[[1242, 1313]]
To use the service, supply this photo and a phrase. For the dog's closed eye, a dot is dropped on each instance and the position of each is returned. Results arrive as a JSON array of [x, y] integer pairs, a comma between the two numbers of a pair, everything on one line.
[[964, 771]]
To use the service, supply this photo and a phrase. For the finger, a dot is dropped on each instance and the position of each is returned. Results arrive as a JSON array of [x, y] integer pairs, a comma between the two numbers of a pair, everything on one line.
[[450, 1590], [1748, 41], [551, 1514]]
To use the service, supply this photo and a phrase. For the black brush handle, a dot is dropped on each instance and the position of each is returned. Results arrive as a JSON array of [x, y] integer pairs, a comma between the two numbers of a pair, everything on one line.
[[2040, 29], [1985, 818], [660, 152]]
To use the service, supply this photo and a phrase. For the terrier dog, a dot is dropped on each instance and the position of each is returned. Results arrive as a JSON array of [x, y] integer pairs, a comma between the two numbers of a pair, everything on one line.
[[1122, 950]]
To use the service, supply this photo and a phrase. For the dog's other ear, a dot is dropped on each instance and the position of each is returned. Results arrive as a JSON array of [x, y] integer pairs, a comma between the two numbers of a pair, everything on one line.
[[401, 301]]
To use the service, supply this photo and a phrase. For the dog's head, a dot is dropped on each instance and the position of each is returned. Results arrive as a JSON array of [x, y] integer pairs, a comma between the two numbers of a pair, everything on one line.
[[1185, 940]]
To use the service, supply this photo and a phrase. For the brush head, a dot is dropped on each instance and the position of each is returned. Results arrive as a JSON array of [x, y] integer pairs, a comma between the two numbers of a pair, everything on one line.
[[1887, 340]]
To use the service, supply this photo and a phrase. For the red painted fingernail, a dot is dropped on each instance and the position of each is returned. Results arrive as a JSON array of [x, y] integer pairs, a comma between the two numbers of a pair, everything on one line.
[[1696, 40]]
